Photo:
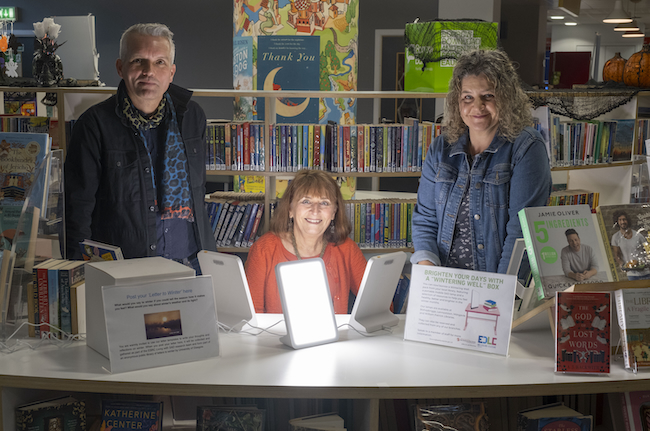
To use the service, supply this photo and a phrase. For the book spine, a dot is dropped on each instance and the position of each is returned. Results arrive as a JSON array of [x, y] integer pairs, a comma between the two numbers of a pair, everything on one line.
[[53, 297], [533, 256], [32, 306], [608, 249], [242, 225], [222, 216], [64, 301], [226, 223], [256, 225], [354, 151], [317, 147], [43, 301], [361, 142], [249, 225], [234, 225]]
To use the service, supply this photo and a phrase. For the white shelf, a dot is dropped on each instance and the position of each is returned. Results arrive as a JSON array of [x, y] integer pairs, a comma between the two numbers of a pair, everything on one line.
[[356, 367]]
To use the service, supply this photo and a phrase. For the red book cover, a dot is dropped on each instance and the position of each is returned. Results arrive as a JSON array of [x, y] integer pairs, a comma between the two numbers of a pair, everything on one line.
[[360, 143], [346, 141], [317, 163], [582, 329], [43, 301]]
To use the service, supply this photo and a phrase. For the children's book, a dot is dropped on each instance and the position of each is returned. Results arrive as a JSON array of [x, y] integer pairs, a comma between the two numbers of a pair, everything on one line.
[[554, 416], [563, 247], [633, 310], [624, 231], [131, 415], [582, 332], [21, 155], [96, 251]]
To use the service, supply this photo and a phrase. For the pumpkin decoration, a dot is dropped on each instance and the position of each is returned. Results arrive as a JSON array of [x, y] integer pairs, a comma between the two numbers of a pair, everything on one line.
[[637, 68], [613, 70]]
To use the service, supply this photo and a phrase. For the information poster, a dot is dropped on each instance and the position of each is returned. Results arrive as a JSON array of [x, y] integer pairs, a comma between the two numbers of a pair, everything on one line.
[[161, 323], [460, 308]]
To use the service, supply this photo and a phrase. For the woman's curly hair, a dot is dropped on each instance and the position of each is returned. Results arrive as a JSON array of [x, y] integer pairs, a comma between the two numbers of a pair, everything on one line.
[[513, 106]]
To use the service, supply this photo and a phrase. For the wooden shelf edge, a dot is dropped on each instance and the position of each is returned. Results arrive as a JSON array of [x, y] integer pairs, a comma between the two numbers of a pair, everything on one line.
[[595, 166], [214, 173]]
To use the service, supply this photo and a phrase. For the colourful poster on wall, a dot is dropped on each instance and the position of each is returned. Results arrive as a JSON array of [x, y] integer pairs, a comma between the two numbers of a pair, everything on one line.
[[289, 63], [334, 22]]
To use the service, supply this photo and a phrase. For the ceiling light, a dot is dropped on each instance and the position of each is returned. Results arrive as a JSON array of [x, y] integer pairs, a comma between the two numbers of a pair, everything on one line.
[[628, 26], [556, 17], [633, 34], [570, 23], [618, 15]]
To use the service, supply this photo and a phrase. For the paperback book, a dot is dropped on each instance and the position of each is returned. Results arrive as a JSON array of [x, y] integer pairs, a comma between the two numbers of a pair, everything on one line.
[[636, 410], [582, 332], [633, 310], [554, 416], [131, 415], [21, 154], [624, 230], [563, 247], [95, 251], [59, 414]]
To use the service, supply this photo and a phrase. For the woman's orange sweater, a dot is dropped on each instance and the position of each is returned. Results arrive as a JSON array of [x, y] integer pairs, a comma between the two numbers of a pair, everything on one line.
[[345, 265]]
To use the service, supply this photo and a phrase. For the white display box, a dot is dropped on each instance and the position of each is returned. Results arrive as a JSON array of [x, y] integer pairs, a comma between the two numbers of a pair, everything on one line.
[[119, 273]]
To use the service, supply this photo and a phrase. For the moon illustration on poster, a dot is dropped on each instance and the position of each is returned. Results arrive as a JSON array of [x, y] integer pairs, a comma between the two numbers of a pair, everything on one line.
[[282, 108]]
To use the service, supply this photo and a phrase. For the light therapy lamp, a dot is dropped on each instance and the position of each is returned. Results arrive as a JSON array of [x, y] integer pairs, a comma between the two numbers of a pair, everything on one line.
[[371, 311], [306, 303]]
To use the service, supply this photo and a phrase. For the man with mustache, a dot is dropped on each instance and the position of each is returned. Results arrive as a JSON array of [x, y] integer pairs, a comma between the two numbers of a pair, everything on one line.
[[135, 168]]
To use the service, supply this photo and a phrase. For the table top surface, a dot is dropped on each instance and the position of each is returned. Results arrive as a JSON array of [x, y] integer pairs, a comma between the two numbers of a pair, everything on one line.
[[381, 365]]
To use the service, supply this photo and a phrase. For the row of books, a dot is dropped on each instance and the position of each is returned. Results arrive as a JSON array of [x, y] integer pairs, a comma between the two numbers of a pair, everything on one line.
[[381, 223], [24, 124], [68, 413], [331, 147], [574, 197], [575, 143], [235, 223], [52, 296]]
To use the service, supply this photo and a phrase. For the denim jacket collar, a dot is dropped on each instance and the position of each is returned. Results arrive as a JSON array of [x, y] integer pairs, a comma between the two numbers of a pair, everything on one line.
[[460, 146]]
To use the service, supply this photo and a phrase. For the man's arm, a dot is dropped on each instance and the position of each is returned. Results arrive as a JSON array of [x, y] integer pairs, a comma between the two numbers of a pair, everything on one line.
[[82, 171]]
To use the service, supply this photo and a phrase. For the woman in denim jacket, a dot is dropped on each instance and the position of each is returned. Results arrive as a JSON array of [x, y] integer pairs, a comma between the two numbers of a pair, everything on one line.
[[486, 166]]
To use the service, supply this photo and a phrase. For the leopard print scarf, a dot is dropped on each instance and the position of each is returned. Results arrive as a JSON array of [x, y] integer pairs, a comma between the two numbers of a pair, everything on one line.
[[174, 179]]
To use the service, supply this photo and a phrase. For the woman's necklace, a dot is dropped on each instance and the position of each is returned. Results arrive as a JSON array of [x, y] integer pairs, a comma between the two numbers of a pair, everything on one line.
[[295, 247]]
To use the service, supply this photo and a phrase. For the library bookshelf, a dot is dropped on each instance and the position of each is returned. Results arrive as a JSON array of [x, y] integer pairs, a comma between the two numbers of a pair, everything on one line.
[[611, 179]]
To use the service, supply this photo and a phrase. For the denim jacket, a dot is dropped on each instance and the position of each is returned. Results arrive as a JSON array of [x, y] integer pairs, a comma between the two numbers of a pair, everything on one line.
[[505, 178]]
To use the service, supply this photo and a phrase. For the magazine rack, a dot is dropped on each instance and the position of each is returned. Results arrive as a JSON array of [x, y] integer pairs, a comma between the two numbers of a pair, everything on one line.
[[29, 233]]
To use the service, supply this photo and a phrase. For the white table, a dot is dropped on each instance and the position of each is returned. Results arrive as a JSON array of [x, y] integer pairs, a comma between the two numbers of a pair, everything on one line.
[[383, 366]]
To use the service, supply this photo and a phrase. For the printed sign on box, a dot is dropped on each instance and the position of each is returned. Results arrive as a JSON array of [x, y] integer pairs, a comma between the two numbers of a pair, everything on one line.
[[460, 308]]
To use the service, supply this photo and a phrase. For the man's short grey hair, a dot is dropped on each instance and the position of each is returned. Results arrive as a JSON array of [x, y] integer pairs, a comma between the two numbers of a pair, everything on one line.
[[147, 29]]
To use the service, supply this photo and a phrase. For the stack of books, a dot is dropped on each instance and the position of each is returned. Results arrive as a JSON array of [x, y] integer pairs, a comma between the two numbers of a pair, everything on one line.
[[52, 297]]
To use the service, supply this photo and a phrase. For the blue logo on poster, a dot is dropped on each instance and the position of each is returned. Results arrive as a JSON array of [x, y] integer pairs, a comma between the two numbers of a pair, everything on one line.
[[482, 339]]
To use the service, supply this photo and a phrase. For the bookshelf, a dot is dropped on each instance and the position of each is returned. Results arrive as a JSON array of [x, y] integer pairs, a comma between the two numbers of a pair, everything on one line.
[[612, 179]]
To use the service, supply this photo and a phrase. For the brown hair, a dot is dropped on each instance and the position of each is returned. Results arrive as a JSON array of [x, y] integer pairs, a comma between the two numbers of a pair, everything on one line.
[[312, 182], [513, 105]]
